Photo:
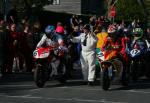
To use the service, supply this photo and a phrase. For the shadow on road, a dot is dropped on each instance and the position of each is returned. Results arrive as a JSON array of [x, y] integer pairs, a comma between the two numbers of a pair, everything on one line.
[[72, 83], [16, 77], [141, 84]]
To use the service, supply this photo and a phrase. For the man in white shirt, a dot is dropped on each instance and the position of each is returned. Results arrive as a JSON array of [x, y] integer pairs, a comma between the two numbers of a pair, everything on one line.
[[88, 42]]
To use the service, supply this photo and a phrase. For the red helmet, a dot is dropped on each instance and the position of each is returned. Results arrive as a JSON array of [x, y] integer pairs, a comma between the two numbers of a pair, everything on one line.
[[60, 29]]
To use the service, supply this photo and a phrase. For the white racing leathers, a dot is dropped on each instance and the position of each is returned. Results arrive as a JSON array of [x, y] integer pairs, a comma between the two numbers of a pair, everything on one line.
[[88, 54], [51, 42]]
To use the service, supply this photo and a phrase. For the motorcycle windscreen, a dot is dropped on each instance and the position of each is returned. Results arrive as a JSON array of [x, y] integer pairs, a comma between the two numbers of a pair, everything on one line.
[[100, 54], [135, 52]]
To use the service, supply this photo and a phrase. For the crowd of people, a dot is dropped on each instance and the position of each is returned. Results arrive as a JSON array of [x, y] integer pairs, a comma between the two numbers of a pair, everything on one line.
[[19, 40]]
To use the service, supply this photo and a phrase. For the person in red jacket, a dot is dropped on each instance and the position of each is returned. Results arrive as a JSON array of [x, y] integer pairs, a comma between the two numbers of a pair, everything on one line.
[[112, 44], [126, 41], [125, 45]]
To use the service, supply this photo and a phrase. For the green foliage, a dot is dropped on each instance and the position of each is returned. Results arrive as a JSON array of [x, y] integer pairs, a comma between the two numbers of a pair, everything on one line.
[[129, 10]]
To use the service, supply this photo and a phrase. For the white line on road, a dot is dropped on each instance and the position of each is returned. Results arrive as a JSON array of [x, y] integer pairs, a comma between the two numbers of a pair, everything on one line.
[[136, 91], [36, 89], [79, 88], [61, 99]]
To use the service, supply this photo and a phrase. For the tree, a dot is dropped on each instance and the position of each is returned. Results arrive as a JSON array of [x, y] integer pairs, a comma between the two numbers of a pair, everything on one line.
[[129, 10]]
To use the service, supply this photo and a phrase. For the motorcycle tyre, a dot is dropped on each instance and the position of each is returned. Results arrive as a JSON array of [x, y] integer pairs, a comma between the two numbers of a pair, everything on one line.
[[62, 77], [105, 80], [125, 77], [39, 77], [147, 71], [134, 71]]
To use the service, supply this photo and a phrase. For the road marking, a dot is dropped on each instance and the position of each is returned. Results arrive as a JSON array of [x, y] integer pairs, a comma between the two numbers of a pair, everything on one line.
[[35, 89], [136, 91], [79, 88], [62, 99]]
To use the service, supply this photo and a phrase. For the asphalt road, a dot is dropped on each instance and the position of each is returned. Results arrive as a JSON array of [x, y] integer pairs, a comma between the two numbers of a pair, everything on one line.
[[20, 88]]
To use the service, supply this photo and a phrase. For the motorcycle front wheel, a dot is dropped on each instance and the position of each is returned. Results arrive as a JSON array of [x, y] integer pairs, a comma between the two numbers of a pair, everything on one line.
[[105, 80], [41, 75]]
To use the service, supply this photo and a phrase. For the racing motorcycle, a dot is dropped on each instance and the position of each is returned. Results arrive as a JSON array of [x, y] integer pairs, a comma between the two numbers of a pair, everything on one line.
[[48, 64], [110, 69], [136, 62]]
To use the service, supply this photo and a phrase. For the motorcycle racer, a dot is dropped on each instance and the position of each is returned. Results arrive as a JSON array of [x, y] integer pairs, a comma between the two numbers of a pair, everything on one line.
[[137, 39], [112, 44], [52, 39], [137, 52], [112, 49]]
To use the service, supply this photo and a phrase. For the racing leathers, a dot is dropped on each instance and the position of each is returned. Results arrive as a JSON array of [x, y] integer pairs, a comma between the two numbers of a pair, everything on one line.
[[57, 43], [111, 48], [53, 41], [138, 43]]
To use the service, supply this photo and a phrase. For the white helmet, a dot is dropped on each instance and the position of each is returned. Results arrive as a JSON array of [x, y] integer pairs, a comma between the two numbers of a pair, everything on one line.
[[111, 29]]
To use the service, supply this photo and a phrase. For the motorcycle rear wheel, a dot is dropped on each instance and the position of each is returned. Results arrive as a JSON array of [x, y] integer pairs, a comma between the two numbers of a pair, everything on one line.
[[63, 72], [134, 71]]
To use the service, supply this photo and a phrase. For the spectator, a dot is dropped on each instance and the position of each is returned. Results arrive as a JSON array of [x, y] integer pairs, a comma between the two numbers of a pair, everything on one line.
[[92, 22], [74, 21], [12, 16], [26, 48], [60, 29], [21, 25], [14, 45], [3, 46], [101, 35], [36, 34], [74, 48]]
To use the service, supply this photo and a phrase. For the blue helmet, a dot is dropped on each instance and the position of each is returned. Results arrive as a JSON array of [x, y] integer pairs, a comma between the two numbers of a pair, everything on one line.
[[49, 29]]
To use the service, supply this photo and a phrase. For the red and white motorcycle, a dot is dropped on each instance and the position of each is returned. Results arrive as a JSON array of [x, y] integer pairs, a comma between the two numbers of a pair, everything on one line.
[[48, 64]]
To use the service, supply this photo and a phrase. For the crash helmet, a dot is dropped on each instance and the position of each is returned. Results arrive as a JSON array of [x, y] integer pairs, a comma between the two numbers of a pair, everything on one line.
[[49, 29], [111, 29], [137, 32], [60, 29]]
